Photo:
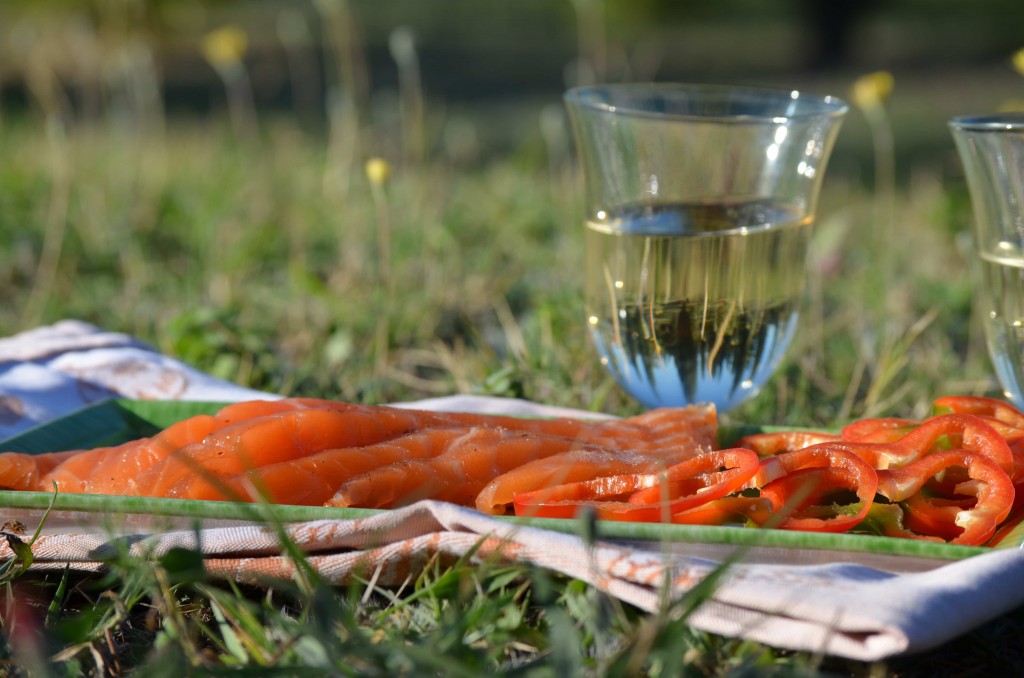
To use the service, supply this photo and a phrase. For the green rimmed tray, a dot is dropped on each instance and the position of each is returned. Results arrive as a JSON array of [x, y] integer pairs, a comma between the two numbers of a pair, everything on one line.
[[112, 421]]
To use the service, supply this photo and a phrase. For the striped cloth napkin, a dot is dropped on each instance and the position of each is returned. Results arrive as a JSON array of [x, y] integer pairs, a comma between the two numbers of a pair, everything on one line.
[[865, 610]]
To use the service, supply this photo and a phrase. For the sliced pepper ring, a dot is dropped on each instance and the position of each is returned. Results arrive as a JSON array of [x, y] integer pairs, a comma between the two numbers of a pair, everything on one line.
[[806, 497], [727, 510], [935, 516], [648, 497], [988, 483], [877, 454], [961, 431], [878, 429], [980, 405], [784, 480], [699, 480]]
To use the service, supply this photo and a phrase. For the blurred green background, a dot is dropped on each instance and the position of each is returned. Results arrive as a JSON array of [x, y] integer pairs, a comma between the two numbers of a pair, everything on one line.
[[493, 63]]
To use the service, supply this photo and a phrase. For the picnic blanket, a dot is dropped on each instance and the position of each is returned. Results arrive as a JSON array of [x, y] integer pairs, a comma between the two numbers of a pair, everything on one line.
[[846, 609]]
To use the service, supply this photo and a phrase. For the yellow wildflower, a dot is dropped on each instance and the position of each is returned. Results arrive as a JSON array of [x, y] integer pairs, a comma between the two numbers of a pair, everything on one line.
[[378, 171], [871, 90], [1018, 61], [225, 46]]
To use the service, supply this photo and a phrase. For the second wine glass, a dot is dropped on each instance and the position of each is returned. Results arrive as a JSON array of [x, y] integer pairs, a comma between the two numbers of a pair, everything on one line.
[[699, 204]]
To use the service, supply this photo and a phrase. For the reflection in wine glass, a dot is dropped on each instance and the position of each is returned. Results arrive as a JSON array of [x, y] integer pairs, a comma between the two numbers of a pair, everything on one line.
[[699, 205]]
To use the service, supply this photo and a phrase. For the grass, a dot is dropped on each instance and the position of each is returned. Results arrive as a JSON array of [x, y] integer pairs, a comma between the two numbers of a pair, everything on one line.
[[162, 619], [271, 260]]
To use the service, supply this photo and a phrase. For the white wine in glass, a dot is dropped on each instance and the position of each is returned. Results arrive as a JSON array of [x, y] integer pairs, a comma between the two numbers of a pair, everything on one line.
[[700, 203]]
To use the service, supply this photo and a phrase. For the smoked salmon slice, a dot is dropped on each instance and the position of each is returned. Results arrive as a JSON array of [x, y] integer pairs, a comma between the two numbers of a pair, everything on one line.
[[312, 480], [456, 475], [20, 471], [105, 470], [281, 436], [321, 452]]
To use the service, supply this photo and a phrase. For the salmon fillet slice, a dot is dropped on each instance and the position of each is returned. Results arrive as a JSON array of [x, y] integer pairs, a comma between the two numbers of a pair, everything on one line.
[[315, 452]]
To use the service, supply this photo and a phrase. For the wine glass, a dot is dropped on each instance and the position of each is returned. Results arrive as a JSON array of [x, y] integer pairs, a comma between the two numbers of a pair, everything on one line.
[[699, 205], [991, 149]]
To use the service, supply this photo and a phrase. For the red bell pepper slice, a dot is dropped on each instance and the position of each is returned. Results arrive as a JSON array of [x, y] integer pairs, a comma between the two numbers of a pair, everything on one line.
[[728, 511], [769, 444], [693, 483], [960, 431], [878, 429], [808, 500], [957, 430], [1016, 517], [1001, 415], [1017, 449], [980, 405], [935, 516], [877, 455], [988, 483], [1009, 526], [646, 497], [565, 501], [784, 481]]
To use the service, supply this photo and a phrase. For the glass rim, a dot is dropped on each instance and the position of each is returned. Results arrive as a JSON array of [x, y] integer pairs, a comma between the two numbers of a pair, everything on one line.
[[817, 105], [992, 122]]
